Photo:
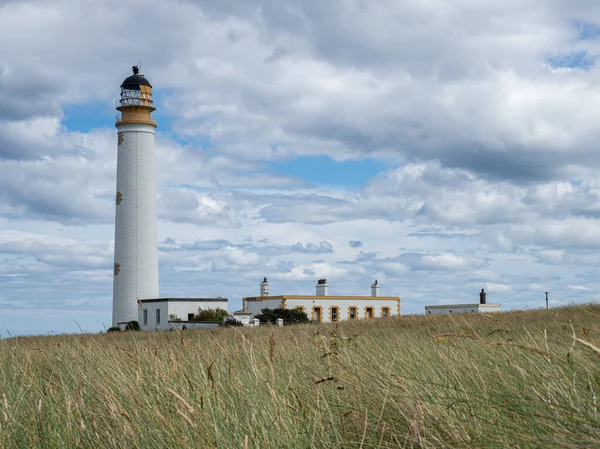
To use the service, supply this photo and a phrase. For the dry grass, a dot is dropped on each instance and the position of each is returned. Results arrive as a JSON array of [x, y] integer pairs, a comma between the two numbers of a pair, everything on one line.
[[523, 379]]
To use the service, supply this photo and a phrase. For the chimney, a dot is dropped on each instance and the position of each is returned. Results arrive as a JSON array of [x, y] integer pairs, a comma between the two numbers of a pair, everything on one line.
[[264, 288], [322, 287], [482, 297], [375, 288]]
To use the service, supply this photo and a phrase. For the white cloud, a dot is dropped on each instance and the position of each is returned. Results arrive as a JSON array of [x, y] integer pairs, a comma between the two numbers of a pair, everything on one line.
[[492, 287], [450, 262], [579, 288], [490, 148]]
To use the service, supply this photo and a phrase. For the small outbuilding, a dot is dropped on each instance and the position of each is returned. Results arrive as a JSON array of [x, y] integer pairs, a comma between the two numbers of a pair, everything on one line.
[[244, 318], [169, 313], [446, 309]]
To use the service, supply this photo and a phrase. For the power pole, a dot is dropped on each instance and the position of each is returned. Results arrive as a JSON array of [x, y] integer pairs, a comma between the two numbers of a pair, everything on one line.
[[547, 300]]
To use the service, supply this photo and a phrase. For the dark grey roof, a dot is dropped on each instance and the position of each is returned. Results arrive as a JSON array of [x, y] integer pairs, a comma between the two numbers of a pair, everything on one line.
[[185, 300], [134, 82]]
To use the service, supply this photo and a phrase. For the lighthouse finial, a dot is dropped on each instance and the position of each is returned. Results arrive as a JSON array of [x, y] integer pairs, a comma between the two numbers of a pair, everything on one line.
[[135, 69]]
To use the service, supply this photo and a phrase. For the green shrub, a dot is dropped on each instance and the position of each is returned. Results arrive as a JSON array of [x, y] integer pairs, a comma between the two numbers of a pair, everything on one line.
[[113, 329], [217, 314], [289, 316], [232, 322], [132, 326]]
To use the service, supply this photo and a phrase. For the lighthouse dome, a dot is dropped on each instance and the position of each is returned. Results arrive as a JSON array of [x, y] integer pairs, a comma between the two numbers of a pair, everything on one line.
[[136, 80]]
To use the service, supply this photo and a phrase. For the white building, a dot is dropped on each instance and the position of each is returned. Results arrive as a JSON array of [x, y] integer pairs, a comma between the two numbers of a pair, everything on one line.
[[136, 253], [446, 309], [168, 313], [244, 318], [461, 308], [325, 308]]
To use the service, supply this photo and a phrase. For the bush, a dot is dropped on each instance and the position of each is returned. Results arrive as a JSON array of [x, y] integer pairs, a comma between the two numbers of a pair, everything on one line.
[[289, 316], [217, 314], [132, 326], [174, 317], [113, 329], [232, 323]]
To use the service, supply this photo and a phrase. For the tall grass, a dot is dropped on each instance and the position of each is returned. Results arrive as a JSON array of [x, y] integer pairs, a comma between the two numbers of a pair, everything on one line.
[[471, 381]]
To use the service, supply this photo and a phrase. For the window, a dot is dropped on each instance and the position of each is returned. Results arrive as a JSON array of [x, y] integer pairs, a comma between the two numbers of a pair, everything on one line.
[[352, 313], [157, 316], [334, 313], [190, 317], [368, 312], [385, 312], [301, 308], [145, 316]]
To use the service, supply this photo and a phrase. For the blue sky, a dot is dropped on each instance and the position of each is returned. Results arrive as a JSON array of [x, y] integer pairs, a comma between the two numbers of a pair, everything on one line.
[[324, 171], [574, 60], [318, 170], [457, 144]]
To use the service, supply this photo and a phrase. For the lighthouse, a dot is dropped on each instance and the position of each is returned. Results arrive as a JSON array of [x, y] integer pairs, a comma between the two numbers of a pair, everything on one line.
[[136, 252]]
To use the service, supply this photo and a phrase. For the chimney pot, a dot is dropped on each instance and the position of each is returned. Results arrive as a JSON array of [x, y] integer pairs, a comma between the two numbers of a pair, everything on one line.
[[322, 287]]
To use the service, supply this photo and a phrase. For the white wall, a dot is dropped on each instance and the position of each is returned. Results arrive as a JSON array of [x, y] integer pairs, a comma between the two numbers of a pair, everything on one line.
[[193, 325], [183, 308], [135, 222], [244, 319], [179, 308], [254, 307], [343, 306], [461, 308], [163, 306]]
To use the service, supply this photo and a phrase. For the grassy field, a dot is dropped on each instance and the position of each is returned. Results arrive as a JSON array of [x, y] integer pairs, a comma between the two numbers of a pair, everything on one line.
[[471, 381]]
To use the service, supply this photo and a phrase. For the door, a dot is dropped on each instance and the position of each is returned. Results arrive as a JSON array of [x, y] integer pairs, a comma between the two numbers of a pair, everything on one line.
[[316, 315]]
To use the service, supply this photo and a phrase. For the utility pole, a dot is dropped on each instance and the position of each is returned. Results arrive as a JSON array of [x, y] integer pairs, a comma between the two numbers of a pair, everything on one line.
[[547, 300]]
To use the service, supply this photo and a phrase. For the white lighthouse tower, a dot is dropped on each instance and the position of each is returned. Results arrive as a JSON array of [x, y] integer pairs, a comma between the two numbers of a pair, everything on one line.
[[136, 253]]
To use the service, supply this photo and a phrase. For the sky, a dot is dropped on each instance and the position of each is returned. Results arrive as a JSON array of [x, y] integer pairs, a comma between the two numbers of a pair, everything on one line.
[[438, 146]]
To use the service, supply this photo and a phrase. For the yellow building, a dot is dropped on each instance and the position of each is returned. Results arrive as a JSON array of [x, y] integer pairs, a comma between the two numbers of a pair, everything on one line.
[[325, 308]]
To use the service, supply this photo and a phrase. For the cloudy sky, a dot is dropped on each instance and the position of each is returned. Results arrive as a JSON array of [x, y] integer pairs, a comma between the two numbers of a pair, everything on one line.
[[439, 146]]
